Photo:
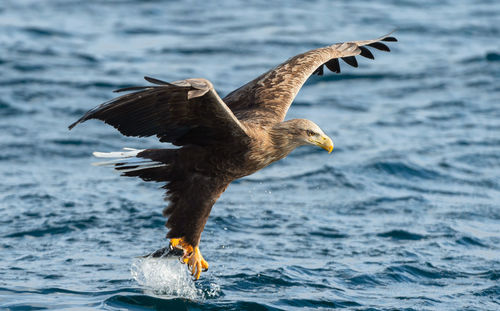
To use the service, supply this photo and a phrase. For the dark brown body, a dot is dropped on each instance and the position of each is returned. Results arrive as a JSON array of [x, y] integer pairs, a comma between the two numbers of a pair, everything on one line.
[[197, 177]]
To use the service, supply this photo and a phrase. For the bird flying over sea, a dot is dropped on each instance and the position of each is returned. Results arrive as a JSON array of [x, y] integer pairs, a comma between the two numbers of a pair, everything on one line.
[[220, 140]]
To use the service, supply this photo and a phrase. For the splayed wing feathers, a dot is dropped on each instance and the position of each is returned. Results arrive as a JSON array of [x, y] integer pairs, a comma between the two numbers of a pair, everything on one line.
[[182, 112]]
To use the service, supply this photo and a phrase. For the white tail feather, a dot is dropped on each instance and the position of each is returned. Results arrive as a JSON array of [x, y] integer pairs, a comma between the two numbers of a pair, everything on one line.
[[141, 167], [126, 161], [131, 152]]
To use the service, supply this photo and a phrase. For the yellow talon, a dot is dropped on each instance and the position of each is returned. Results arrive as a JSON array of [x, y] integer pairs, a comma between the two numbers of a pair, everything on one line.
[[192, 257], [175, 242], [179, 243]]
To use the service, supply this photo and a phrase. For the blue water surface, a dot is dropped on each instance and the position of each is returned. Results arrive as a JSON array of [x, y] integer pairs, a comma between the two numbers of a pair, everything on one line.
[[403, 215]]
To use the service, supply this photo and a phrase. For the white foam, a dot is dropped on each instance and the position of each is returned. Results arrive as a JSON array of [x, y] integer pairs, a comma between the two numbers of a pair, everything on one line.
[[164, 276]]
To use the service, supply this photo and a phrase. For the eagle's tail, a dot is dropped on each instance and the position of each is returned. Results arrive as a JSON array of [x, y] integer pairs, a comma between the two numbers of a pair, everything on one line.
[[127, 160], [148, 164]]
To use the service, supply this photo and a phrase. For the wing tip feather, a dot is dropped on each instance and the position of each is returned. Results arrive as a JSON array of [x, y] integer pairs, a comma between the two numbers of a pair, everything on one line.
[[333, 64], [379, 46], [390, 39], [155, 81], [82, 119], [71, 126]]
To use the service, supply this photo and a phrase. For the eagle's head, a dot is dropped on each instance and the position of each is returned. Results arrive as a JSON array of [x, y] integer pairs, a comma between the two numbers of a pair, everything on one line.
[[305, 132]]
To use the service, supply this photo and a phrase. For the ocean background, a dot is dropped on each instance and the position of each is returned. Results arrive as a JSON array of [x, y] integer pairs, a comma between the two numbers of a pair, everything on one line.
[[403, 215]]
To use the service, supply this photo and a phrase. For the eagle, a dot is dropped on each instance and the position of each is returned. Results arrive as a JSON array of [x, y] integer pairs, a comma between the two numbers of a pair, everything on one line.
[[218, 140]]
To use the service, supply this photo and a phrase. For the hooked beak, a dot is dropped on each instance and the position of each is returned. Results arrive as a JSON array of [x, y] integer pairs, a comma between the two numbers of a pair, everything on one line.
[[325, 142]]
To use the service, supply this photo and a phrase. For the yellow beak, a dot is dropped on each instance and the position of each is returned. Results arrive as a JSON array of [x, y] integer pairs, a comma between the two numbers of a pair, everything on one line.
[[326, 143]]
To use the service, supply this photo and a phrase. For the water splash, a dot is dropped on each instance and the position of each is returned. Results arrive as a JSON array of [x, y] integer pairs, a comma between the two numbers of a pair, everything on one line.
[[164, 276]]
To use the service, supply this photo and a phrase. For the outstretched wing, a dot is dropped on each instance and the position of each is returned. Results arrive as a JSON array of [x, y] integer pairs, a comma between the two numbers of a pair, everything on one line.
[[267, 98], [182, 112]]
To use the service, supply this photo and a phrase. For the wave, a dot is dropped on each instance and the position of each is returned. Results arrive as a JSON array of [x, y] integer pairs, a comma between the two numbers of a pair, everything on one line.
[[142, 31], [140, 302], [45, 32], [436, 190], [206, 51], [334, 177], [7, 110], [55, 229], [470, 241], [412, 273], [29, 67], [76, 142], [402, 235], [319, 303], [493, 57], [328, 233], [365, 76], [59, 290], [147, 302], [488, 57], [480, 160], [88, 58], [402, 169], [61, 83], [492, 292]]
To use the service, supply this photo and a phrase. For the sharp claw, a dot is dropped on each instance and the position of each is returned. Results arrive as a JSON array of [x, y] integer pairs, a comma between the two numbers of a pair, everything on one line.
[[198, 270], [204, 265]]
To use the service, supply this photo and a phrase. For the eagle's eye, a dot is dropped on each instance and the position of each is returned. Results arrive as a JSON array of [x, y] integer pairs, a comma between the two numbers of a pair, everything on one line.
[[310, 133]]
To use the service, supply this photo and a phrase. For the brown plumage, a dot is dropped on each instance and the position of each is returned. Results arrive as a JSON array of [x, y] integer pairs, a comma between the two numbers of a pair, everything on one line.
[[220, 139]]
